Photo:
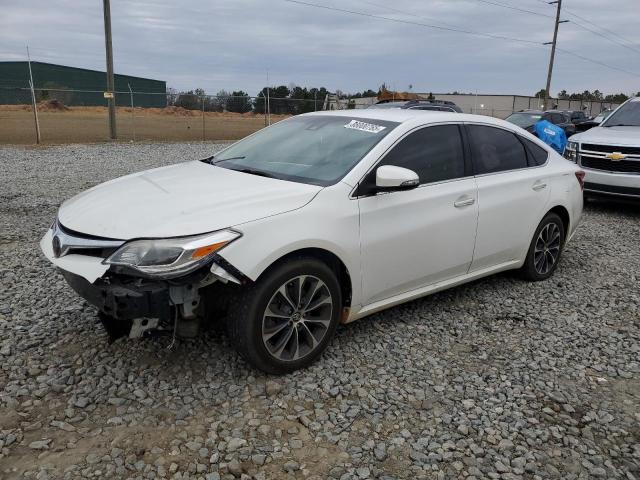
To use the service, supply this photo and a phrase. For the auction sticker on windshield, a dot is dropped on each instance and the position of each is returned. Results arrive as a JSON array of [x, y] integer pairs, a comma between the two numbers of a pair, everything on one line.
[[364, 126]]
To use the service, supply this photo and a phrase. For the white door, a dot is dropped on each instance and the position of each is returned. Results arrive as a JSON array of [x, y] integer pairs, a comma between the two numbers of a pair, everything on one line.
[[417, 237], [512, 194]]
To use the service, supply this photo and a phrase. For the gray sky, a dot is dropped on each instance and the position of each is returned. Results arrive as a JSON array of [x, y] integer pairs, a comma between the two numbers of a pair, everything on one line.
[[230, 44]]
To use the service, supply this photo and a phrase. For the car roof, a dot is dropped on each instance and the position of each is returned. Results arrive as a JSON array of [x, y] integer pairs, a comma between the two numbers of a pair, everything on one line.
[[396, 102], [399, 115], [416, 103], [402, 115], [532, 112]]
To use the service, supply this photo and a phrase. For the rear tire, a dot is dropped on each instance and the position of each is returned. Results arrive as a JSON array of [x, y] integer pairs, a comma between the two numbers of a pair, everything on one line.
[[286, 319], [545, 249]]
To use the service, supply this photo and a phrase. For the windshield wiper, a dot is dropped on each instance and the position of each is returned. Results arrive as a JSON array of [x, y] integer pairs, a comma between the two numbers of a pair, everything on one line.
[[213, 160], [252, 171], [619, 125]]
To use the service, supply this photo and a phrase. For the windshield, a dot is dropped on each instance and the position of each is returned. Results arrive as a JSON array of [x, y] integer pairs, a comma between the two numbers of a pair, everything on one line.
[[524, 119], [313, 149], [602, 115], [628, 115]]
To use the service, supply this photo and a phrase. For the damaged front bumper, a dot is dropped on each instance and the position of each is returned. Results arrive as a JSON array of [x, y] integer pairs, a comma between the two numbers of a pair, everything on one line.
[[141, 304]]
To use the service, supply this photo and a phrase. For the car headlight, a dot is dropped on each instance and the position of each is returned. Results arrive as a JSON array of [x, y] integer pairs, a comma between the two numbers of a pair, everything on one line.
[[571, 152], [170, 257]]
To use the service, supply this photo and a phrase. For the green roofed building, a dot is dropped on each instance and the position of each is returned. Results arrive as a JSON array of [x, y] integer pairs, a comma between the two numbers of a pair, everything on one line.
[[75, 86]]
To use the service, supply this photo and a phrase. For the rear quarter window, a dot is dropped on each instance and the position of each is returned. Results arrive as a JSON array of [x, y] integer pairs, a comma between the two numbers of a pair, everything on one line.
[[537, 155]]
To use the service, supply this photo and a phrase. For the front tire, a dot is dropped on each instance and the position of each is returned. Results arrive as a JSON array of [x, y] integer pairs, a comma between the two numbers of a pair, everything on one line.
[[545, 249], [285, 320]]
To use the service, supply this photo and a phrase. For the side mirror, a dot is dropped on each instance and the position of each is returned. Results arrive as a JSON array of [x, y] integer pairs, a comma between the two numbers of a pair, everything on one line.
[[390, 178]]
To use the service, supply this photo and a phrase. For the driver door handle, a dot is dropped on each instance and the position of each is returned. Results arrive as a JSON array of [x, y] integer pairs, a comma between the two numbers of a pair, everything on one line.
[[539, 186], [464, 201]]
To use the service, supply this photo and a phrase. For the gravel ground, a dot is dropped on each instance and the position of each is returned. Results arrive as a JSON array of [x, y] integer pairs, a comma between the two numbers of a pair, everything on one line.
[[496, 379]]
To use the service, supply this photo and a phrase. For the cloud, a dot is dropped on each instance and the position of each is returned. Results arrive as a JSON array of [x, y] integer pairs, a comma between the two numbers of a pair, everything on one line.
[[232, 44]]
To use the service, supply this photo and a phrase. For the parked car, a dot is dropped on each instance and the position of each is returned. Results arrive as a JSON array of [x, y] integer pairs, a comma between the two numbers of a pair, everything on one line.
[[527, 119], [432, 105], [610, 153], [319, 219], [593, 122], [576, 116]]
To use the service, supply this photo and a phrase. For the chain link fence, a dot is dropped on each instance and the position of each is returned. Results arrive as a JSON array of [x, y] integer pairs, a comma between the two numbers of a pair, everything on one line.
[[81, 116], [78, 116]]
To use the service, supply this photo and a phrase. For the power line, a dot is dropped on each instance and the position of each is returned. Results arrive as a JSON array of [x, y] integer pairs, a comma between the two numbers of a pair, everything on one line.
[[611, 32], [453, 29], [597, 62], [604, 29], [531, 12], [386, 7], [573, 22], [411, 22], [511, 7]]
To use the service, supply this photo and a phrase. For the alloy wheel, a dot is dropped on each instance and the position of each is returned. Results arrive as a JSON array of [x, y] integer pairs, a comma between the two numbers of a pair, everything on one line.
[[547, 248], [297, 318]]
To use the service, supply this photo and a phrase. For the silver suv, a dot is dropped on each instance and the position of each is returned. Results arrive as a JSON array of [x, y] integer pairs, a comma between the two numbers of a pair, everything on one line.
[[610, 153]]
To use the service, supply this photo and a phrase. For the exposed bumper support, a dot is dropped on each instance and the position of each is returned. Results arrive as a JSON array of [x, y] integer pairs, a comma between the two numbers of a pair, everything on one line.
[[129, 304], [124, 300]]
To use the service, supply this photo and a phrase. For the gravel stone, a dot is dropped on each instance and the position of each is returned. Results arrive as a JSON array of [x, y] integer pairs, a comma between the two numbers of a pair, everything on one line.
[[40, 444], [496, 379]]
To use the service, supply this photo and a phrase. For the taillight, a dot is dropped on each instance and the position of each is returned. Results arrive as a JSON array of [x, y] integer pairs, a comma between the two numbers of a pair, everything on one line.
[[580, 177]]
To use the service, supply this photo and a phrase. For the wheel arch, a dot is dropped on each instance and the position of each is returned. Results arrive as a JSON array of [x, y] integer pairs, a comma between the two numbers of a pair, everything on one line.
[[563, 213], [328, 257]]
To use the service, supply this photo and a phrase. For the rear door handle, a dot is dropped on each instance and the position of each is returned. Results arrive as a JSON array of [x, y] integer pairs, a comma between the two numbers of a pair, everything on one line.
[[539, 186], [464, 202]]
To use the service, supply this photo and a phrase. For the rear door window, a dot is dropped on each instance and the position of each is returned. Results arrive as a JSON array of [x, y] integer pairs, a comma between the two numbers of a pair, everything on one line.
[[495, 150]]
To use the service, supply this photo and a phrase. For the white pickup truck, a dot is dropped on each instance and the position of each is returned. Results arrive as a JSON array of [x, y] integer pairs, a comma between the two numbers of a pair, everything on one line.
[[610, 153]]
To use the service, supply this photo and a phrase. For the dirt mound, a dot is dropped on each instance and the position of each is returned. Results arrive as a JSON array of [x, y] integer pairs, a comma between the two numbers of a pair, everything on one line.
[[52, 106], [173, 110]]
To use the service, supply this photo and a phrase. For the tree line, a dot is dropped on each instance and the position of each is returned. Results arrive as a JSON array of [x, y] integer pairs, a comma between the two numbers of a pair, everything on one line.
[[283, 100], [293, 99], [588, 96]]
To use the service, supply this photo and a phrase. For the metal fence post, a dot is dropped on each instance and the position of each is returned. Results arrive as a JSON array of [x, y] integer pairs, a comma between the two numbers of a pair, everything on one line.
[[202, 98], [133, 115], [33, 99]]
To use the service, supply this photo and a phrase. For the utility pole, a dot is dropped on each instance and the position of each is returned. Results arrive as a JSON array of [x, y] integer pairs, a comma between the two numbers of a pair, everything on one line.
[[111, 100], [553, 51]]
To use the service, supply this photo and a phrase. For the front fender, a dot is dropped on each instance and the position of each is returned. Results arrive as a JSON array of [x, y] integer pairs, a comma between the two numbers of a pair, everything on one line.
[[329, 222]]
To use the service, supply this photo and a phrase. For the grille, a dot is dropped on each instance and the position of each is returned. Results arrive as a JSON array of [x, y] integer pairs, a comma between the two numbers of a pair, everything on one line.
[[610, 149], [69, 242], [621, 166]]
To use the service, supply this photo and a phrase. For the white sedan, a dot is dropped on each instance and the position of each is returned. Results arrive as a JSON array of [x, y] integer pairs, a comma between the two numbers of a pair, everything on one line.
[[319, 219]]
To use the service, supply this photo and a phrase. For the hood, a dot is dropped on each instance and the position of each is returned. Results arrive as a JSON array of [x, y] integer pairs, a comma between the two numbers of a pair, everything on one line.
[[622, 136], [183, 199]]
